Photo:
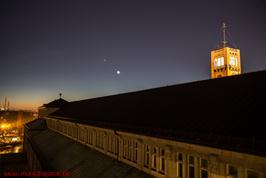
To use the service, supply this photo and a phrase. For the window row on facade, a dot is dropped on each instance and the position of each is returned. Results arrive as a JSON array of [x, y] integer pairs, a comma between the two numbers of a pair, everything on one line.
[[127, 148], [151, 156], [220, 61]]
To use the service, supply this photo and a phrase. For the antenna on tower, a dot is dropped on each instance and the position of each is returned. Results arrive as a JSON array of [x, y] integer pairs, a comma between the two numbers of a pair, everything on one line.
[[224, 42]]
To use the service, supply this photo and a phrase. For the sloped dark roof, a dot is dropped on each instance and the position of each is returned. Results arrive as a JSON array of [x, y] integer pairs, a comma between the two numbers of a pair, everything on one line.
[[80, 160], [226, 112], [56, 103]]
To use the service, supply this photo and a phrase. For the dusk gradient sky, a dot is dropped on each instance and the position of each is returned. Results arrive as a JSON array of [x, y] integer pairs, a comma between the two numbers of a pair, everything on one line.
[[76, 47]]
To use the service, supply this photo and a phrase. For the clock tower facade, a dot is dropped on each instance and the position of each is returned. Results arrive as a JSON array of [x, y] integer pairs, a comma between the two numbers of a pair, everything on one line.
[[225, 61]]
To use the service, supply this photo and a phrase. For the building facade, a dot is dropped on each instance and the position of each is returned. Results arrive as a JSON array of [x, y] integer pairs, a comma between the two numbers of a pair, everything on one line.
[[161, 157], [165, 132]]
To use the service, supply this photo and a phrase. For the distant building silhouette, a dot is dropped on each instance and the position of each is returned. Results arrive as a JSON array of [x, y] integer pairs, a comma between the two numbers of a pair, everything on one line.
[[205, 129], [5, 106], [51, 107]]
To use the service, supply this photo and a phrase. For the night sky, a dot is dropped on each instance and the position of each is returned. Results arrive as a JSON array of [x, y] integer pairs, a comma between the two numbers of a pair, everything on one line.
[[77, 47]]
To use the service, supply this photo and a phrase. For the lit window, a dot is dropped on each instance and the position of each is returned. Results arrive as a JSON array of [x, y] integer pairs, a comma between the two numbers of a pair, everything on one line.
[[233, 61], [215, 62], [252, 174], [232, 171], [204, 168], [222, 61], [219, 62]]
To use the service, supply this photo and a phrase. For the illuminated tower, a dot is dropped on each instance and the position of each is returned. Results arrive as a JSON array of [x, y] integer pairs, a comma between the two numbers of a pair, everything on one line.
[[225, 61]]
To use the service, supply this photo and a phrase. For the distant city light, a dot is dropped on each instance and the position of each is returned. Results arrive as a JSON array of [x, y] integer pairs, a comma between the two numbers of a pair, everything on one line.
[[5, 126], [11, 131], [17, 149], [14, 139]]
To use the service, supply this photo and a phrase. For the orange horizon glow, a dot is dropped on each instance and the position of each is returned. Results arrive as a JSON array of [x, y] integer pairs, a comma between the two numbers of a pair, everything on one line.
[[26, 106]]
